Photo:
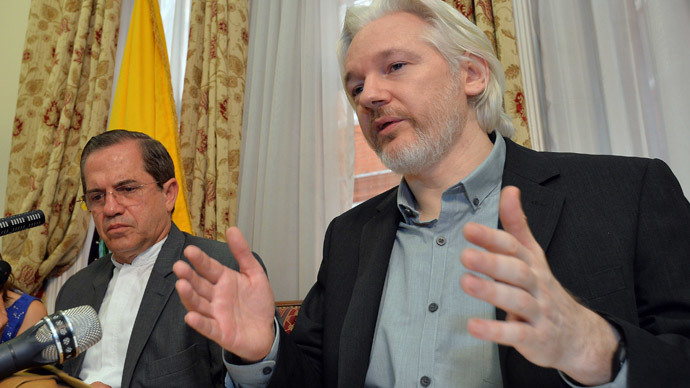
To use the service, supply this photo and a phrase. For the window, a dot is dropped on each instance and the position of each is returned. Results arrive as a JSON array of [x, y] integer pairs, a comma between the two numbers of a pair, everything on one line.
[[371, 176]]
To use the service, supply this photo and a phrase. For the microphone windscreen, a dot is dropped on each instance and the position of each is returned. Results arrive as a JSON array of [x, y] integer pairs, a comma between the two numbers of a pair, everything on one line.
[[83, 324], [19, 222]]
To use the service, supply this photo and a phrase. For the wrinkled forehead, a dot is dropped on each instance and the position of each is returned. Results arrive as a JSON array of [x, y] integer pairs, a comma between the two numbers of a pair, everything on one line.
[[116, 162]]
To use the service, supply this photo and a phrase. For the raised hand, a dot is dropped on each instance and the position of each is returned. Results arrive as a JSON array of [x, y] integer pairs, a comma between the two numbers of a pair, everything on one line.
[[544, 322], [234, 309], [99, 384]]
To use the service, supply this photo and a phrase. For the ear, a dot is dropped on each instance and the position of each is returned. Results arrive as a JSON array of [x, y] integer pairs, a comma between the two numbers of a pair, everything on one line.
[[170, 190], [476, 75]]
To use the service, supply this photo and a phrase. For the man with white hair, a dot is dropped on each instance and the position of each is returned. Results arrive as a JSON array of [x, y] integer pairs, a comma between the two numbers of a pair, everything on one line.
[[574, 274]]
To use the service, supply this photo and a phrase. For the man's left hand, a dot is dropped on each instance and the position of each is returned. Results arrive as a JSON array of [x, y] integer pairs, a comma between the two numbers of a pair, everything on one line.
[[544, 322]]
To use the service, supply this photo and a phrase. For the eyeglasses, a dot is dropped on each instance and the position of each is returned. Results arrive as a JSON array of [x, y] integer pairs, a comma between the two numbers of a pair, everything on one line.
[[125, 195]]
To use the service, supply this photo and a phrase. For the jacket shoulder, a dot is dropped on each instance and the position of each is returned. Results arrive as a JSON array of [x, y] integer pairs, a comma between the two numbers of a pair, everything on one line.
[[366, 209], [216, 249], [577, 167], [75, 286]]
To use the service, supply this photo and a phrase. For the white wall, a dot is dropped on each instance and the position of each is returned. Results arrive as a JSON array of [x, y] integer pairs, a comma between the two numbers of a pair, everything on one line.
[[14, 17]]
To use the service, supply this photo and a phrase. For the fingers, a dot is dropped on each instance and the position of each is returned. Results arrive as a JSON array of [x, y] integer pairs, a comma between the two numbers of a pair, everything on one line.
[[516, 239], [183, 270], [98, 384], [240, 249], [502, 268], [196, 294], [494, 240], [211, 269], [513, 218], [191, 297], [204, 265], [513, 286], [513, 300], [199, 283], [501, 332], [206, 326]]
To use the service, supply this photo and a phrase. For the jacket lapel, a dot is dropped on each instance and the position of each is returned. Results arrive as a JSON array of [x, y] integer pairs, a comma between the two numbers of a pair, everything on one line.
[[531, 172], [100, 281], [160, 286], [528, 170], [375, 246], [99, 285]]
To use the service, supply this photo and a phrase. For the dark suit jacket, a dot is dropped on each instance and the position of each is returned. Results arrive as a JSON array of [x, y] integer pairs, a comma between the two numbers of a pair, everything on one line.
[[163, 351], [616, 232]]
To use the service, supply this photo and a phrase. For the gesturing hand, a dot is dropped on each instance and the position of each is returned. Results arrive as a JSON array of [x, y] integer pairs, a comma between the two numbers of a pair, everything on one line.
[[98, 384], [544, 322], [234, 309]]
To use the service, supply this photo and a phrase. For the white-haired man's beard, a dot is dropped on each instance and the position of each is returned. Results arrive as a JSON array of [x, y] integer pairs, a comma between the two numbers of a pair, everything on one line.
[[435, 132]]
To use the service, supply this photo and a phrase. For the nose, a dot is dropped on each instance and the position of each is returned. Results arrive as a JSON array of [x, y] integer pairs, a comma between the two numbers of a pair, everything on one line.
[[111, 206], [374, 93]]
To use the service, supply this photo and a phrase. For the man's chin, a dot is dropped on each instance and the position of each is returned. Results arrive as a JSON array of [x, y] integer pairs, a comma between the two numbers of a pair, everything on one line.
[[404, 163], [118, 243]]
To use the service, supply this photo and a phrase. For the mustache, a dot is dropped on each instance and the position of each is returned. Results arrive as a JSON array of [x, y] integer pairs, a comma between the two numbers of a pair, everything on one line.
[[116, 220], [388, 111]]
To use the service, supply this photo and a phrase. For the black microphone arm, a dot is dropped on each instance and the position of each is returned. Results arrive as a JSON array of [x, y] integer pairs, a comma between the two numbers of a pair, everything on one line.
[[54, 339], [21, 221]]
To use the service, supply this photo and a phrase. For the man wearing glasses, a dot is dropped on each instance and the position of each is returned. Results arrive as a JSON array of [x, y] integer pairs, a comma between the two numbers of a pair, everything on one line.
[[130, 189]]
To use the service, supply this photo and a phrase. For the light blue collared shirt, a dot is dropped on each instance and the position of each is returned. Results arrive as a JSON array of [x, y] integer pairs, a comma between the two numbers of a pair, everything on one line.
[[421, 337]]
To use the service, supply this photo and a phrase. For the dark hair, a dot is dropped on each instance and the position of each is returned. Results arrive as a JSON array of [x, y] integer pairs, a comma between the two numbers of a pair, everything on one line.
[[157, 160], [6, 279]]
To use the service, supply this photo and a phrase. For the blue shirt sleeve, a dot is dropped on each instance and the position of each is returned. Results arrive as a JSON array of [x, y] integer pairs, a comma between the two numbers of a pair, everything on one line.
[[255, 375]]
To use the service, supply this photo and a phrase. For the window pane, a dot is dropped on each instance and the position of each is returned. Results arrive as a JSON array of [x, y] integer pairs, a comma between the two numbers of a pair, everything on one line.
[[371, 176]]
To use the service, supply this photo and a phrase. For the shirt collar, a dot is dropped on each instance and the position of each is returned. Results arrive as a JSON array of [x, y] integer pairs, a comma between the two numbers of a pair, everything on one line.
[[476, 186], [144, 258]]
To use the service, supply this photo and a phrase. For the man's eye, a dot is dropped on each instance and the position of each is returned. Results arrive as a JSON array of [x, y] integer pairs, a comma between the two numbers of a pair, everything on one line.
[[95, 197], [356, 91], [126, 189], [397, 66]]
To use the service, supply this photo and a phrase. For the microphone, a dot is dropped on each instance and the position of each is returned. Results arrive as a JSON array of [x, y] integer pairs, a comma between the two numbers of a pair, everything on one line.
[[21, 221], [55, 339]]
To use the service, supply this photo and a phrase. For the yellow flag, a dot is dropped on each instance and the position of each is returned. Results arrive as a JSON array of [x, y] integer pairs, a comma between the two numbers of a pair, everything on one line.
[[143, 99]]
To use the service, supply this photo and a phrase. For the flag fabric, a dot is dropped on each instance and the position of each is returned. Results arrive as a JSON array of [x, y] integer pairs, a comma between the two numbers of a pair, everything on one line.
[[144, 100]]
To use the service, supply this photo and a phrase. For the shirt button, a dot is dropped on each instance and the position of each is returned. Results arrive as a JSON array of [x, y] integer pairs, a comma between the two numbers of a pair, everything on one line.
[[475, 201], [433, 307], [267, 371], [425, 381], [441, 241]]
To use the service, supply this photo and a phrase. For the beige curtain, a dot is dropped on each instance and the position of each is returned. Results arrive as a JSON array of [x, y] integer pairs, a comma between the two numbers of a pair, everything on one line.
[[211, 119], [495, 18], [63, 100]]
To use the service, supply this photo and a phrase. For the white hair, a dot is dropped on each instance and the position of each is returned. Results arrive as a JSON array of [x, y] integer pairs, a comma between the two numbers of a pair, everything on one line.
[[454, 36]]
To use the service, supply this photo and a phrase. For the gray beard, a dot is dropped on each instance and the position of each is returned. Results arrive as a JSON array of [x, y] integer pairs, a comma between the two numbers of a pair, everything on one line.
[[445, 124]]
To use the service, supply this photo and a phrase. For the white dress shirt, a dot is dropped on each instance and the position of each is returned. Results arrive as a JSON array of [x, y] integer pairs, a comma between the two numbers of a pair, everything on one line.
[[105, 361]]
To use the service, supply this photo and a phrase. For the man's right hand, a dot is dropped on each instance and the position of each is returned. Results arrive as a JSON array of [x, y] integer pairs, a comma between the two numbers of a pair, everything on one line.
[[234, 309]]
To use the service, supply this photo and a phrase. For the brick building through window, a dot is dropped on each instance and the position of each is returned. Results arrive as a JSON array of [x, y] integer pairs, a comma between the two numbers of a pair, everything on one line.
[[371, 176]]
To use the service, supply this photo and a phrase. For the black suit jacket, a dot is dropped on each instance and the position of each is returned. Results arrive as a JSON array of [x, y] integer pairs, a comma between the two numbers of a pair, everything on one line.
[[616, 232], [163, 351]]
